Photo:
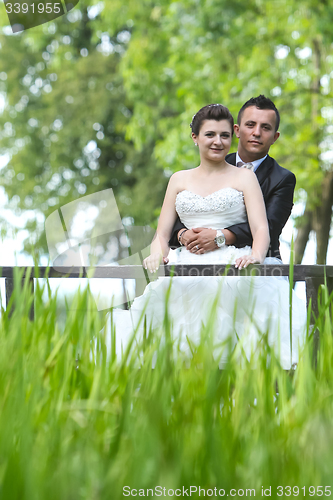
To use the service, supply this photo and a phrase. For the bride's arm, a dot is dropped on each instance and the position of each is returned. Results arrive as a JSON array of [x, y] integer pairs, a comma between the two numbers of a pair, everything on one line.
[[256, 214], [160, 248]]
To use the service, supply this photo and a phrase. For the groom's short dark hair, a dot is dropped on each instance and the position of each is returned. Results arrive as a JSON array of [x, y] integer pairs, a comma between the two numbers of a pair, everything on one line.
[[260, 102]]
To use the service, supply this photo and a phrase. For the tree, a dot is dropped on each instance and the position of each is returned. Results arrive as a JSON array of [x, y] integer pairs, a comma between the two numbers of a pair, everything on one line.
[[184, 55], [164, 61], [64, 122]]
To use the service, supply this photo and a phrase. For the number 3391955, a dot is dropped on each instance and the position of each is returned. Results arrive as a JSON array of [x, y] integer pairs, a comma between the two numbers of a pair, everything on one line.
[[24, 8], [312, 491]]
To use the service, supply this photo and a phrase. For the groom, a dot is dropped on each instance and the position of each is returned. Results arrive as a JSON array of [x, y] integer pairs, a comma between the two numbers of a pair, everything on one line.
[[257, 129]]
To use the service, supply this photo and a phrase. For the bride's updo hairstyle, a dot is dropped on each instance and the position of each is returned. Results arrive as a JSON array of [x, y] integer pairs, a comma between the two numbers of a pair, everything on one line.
[[211, 112]]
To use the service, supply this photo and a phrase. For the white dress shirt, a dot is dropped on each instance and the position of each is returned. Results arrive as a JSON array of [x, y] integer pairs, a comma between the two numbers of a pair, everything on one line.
[[255, 163]]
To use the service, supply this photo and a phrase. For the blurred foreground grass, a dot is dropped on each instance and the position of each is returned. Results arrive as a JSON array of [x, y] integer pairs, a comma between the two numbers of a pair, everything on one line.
[[75, 424]]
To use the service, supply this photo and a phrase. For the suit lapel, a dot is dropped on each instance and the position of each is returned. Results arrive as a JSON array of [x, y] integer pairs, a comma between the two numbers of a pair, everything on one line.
[[231, 158], [264, 169]]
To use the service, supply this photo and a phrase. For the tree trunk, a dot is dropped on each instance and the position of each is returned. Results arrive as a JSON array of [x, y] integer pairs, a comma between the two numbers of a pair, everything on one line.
[[305, 226], [323, 213], [322, 218]]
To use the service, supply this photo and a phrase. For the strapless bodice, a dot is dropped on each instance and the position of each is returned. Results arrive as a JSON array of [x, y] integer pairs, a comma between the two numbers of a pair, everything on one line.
[[218, 210]]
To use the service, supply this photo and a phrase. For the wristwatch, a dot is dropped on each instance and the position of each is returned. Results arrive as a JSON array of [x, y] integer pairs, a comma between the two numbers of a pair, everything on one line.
[[219, 238]]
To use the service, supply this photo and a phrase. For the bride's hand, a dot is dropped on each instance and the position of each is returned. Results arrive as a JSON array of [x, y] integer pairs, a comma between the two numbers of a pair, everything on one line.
[[245, 260], [152, 263]]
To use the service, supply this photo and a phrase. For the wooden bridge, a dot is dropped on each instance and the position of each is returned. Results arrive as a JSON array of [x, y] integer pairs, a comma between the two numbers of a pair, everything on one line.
[[312, 275]]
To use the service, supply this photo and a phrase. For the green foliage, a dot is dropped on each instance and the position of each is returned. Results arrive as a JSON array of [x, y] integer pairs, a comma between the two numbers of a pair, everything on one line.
[[191, 53], [131, 78], [64, 91]]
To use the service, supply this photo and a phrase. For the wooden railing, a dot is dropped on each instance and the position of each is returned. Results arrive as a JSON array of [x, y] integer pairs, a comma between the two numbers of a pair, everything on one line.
[[313, 275]]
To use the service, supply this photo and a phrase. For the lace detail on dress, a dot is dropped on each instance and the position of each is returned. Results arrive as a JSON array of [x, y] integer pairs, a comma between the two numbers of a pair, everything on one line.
[[188, 202], [218, 210]]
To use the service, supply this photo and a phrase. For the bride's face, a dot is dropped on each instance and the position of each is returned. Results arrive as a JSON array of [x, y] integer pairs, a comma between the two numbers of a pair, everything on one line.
[[214, 139]]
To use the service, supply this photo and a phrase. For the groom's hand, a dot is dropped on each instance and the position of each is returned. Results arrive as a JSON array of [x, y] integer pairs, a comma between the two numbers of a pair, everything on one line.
[[203, 238]]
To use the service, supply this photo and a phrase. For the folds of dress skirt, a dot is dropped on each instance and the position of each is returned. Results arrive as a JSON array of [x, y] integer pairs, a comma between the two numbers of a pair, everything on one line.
[[239, 314]]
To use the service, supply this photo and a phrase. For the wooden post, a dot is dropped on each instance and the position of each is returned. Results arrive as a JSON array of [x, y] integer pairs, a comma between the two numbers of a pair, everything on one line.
[[312, 287], [9, 289], [32, 308], [125, 296]]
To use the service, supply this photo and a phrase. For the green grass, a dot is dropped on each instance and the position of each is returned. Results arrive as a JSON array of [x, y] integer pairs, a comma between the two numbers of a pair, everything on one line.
[[75, 424]]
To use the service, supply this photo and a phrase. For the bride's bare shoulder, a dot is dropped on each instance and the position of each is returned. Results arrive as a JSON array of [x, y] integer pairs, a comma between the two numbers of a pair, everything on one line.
[[242, 173], [183, 174], [235, 170], [241, 178], [179, 179], [246, 179]]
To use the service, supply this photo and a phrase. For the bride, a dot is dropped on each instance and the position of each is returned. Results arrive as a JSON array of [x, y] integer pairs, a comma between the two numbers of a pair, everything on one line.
[[215, 195]]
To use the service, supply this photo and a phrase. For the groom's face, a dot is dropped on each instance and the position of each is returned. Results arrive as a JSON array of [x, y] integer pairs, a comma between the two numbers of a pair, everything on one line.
[[256, 133]]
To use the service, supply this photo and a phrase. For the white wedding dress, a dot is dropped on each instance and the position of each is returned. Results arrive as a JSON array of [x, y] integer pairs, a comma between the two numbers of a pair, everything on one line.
[[247, 307]]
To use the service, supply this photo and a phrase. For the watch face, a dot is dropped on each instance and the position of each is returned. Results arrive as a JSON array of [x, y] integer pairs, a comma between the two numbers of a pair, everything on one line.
[[220, 240]]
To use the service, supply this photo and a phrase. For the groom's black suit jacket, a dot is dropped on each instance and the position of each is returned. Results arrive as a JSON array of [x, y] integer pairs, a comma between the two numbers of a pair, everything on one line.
[[277, 185]]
